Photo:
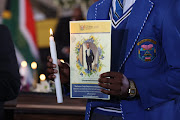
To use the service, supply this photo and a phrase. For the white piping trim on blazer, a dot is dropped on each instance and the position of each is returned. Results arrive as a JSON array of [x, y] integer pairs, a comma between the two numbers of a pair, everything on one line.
[[121, 110], [89, 112], [97, 6], [137, 35]]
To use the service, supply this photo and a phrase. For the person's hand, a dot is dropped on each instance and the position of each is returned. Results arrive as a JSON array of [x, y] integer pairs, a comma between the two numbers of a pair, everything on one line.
[[63, 68], [116, 82]]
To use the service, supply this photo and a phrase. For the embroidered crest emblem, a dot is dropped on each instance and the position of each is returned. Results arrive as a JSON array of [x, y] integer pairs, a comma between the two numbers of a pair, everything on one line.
[[147, 50]]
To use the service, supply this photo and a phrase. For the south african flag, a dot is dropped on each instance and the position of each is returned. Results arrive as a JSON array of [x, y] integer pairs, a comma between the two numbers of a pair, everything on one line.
[[18, 17]]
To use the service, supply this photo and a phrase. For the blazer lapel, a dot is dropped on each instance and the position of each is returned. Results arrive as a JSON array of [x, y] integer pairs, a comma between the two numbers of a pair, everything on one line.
[[136, 22], [101, 11]]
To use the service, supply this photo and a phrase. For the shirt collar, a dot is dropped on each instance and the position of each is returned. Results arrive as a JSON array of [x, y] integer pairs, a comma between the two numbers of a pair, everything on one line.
[[126, 4]]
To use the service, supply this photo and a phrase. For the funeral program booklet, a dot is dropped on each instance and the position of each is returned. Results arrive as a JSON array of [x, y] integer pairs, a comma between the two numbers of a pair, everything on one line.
[[90, 56]]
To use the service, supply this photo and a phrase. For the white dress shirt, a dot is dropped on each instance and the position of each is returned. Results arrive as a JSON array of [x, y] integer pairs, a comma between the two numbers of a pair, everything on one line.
[[88, 52]]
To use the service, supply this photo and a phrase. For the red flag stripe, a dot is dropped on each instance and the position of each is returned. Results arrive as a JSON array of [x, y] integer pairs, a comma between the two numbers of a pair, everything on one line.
[[30, 23], [27, 26]]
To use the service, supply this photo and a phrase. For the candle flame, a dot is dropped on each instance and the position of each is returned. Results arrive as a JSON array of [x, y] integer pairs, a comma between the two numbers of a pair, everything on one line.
[[51, 32]]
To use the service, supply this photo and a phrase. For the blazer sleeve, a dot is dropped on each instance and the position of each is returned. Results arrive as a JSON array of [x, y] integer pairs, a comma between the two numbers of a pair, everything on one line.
[[165, 87], [9, 71]]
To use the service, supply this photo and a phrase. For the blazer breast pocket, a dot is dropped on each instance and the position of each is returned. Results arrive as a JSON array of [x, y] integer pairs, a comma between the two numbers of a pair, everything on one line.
[[146, 53]]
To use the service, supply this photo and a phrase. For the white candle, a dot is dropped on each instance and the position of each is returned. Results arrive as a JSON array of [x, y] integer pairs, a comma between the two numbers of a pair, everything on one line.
[[54, 57]]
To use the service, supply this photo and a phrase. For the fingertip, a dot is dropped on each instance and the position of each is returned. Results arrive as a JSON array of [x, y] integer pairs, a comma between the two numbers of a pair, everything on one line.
[[101, 75], [50, 60], [54, 66], [47, 64], [102, 90], [104, 74], [55, 71], [54, 76], [49, 77]]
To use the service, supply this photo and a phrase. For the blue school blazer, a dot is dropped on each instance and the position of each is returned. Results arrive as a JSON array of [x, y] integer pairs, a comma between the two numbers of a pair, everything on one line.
[[152, 58]]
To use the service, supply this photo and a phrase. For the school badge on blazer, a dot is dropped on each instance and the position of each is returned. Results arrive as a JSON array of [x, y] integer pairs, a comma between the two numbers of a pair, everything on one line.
[[147, 50]]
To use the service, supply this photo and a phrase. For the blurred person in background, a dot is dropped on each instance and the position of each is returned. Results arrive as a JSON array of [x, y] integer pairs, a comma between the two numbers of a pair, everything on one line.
[[62, 34], [9, 71]]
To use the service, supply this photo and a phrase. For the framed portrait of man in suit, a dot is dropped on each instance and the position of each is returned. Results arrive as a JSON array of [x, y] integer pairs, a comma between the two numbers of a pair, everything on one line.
[[89, 56]]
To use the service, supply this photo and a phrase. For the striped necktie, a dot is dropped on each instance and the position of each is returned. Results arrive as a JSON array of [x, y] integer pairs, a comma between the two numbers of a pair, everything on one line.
[[118, 9]]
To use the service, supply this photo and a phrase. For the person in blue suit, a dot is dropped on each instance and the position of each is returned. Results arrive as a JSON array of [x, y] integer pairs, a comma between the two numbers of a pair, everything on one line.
[[144, 81]]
